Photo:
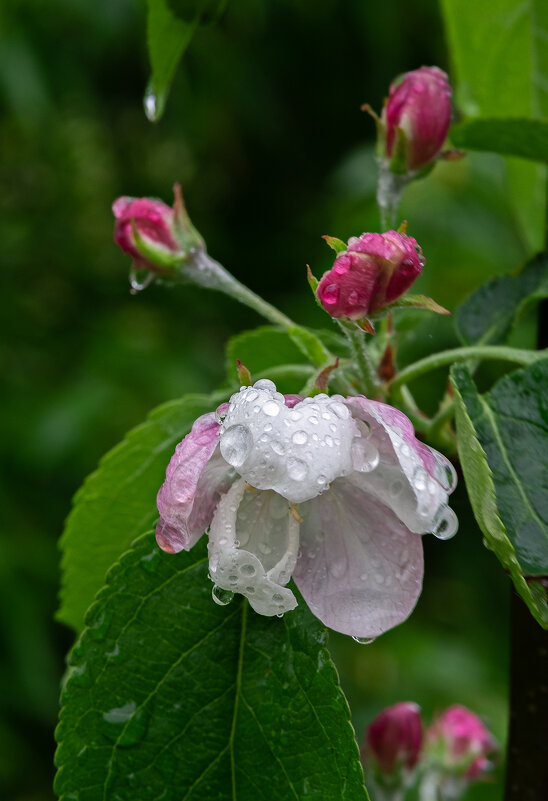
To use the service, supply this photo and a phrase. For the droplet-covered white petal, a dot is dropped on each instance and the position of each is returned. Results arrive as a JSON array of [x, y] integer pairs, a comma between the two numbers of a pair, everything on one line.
[[296, 452], [253, 546], [360, 569]]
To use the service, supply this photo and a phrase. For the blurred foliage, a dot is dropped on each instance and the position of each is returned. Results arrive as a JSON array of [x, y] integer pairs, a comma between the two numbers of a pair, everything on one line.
[[264, 131]]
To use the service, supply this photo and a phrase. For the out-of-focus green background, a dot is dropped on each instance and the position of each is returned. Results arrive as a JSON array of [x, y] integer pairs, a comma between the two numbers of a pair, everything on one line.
[[264, 131]]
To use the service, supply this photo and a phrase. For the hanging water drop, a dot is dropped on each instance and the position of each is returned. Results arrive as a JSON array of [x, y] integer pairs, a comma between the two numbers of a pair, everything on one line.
[[150, 103], [447, 526], [235, 444], [365, 456], [220, 596], [364, 640]]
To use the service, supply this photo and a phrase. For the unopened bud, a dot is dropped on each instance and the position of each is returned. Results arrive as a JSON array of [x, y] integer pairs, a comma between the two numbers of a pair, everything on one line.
[[373, 272], [393, 743], [458, 746], [155, 235], [416, 117]]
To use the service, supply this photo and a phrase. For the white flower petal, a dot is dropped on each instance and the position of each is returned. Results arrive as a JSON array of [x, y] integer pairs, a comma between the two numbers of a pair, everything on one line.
[[253, 545], [360, 569], [295, 451]]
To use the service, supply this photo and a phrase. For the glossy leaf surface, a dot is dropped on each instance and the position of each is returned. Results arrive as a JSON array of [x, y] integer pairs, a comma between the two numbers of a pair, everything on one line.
[[503, 447], [488, 315], [170, 696], [118, 502]]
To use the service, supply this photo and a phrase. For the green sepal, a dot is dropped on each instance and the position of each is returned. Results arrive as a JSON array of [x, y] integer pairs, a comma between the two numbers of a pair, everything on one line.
[[412, 302], [335, 244], [157, 255]]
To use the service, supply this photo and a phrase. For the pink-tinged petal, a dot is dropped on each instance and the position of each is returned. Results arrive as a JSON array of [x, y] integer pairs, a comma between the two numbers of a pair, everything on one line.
[[253, 545], [196, 477], [292, 400], [411, 478], [360, 569]]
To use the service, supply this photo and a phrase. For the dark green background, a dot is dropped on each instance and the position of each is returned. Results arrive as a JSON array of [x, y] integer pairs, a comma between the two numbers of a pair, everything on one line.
[[264, 131]]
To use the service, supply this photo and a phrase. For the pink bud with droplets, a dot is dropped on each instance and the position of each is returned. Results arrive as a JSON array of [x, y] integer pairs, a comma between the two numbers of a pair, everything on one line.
[[419, 106], [374, 271]]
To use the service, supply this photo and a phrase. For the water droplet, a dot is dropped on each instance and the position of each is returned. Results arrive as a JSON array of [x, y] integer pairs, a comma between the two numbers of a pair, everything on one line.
[[330, 294], [277, 598], [152, 560], [395, 488], [339, 409], [280, 615], [251, 395], [337, 568], [329, 440], [365, 456], [314, 420], [364, 640], [267, 427], [277, 447], [265, 384], [80, 675], [250, 590], [235, 444], [419, 480], [232, 578], [126, 724], [296, 469], [300, 438], [295, 415], [446, 526], [247, 570], [150, 103], [353, 297], [271, 408], [220, 596]]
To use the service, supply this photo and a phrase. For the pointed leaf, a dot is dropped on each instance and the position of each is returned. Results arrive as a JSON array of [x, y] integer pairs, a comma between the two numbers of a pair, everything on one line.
[[167, 39], [118, 502], [488, 315], [310, 345], [503, 448], [170, 696]]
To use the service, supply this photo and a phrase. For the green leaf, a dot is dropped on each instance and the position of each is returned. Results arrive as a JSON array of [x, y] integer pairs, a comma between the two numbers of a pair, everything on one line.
[[170, 696], [204, 10], [503, 448], [268, 352], [310, 345], [499, 63], [167, 39], [488, 315], [510, 136], [118, 502]]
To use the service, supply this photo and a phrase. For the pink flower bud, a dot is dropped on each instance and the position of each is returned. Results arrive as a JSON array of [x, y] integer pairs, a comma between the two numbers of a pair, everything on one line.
[[374, 271], [154, 223], [420, 106], [394, 739], [461, 741]]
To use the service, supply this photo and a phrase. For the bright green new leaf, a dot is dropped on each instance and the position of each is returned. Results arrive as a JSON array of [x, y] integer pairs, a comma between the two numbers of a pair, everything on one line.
[[488, 315], [268, 352], [170, 696], [511, 136], [503, 448], [310, 345], [118, 502]]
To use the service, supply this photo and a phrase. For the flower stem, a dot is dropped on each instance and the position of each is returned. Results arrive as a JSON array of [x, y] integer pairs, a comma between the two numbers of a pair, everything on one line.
[[368, 375], [390, 187], [446, 357], [208, 273]]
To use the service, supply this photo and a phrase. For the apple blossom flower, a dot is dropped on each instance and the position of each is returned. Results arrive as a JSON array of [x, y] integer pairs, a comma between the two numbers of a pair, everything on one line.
[[334, 492], [419, 106], [394, 739], [374, 271]]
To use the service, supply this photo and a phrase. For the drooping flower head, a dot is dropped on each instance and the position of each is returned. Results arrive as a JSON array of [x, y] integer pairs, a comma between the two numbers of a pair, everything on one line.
[[419, 107], [461, 743], [334, 492], [394, 740], [374, 271]]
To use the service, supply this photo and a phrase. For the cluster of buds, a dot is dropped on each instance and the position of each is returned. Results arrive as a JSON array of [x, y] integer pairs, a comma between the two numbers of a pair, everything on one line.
[[451, 754]]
